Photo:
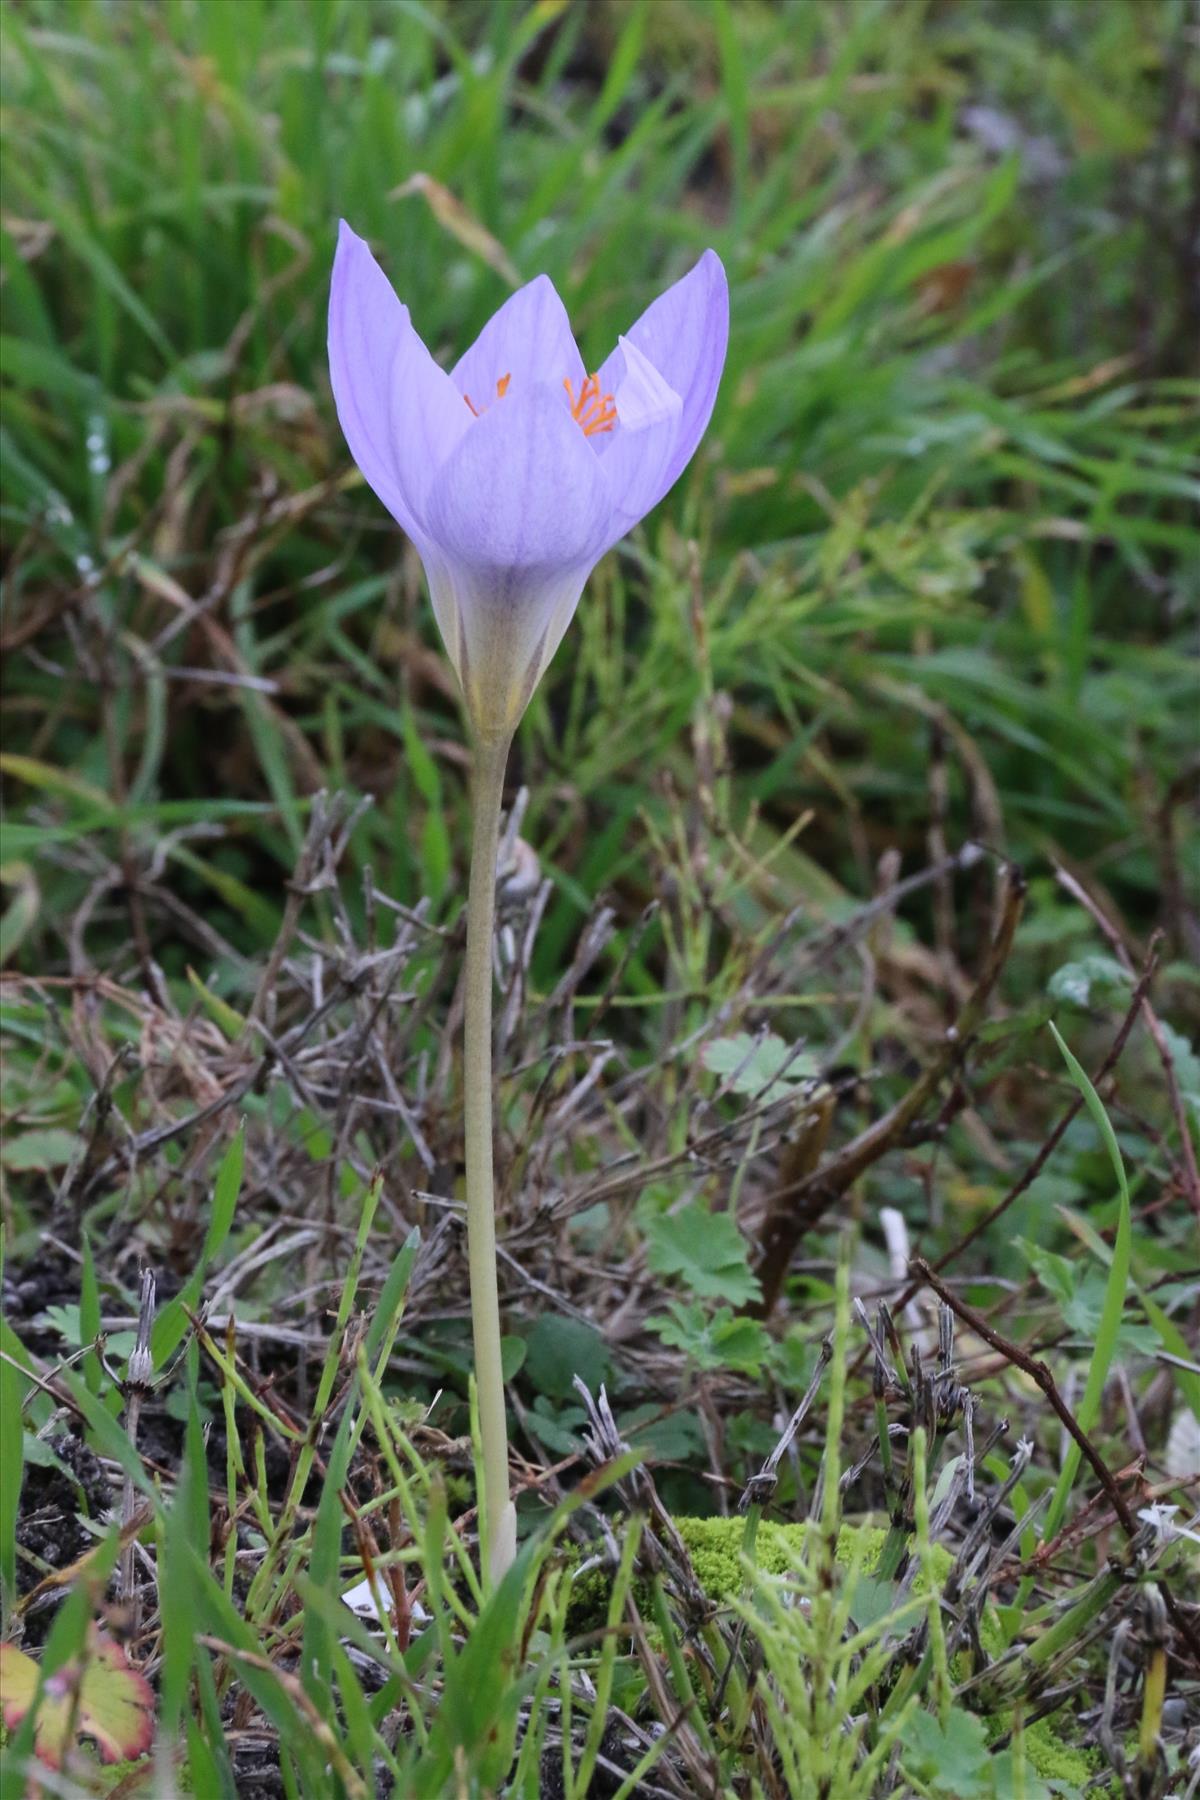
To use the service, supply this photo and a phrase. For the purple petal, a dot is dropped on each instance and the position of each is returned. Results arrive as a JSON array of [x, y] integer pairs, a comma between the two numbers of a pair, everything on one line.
[[519, 515], [401, 414], [684, 333], [529, 339], [522, 490], [643, 398], [641, 451]]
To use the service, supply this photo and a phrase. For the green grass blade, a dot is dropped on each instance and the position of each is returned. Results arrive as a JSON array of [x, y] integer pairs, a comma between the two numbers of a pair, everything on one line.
[[171, 1323], [1115, 1290]]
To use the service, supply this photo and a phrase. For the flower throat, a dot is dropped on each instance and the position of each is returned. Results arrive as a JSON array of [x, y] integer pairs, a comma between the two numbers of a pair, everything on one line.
[[593, 411]]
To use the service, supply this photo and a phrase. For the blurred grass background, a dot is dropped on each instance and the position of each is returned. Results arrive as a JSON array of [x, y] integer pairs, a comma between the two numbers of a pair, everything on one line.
[[932, 575]]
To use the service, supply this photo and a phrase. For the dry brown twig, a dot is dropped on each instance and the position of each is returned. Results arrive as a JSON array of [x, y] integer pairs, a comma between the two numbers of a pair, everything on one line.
[[1189, 1173], [788, 1217], [1038, 1372]]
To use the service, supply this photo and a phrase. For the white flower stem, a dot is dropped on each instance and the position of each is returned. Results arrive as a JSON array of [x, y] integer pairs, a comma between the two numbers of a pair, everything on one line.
[[499, 1514]]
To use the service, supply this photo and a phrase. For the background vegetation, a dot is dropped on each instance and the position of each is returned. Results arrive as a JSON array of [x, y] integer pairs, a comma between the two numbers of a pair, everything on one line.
[[869, 755]]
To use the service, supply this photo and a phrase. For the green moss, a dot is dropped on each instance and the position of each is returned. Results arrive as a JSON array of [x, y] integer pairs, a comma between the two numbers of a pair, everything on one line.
[[1051, 1757], [714, 1546]]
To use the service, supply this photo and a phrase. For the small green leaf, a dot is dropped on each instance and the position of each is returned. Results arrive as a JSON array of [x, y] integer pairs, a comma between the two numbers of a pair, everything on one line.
[[1092, 981], [512, 1355], [739, 1343], [677, 1438], [723, 1341], [706, 1250], [753, 1066], [558, 1349], [872, 1601], [1057, 1274], [45, 1149], [114, 1707], [954, 1762], [556, 1427]]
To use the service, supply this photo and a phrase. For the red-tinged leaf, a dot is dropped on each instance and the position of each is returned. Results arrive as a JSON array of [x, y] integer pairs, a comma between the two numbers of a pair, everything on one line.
[[115, 1703], [18, 1684]]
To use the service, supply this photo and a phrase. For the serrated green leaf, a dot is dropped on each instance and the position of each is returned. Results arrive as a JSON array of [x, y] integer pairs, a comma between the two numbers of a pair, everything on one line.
[[705, 1250], [719, 1341], [955, 1762]]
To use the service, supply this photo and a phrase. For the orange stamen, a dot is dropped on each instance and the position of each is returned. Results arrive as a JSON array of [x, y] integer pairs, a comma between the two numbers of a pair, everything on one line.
[[593, 411], [501, 390]]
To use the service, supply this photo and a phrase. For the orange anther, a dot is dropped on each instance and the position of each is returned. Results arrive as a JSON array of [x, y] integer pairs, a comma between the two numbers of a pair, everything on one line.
[[593, 411], [501, 390]]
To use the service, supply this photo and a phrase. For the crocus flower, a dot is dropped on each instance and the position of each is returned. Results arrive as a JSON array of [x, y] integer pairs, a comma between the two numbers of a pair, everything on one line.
[[515, 472]]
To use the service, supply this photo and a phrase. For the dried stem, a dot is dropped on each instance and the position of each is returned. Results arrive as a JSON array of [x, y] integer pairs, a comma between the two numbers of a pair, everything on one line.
[[797, 1205], [1035, 1167], [1038, 1371], [1189, 1172], [498, 1512], [141, 1369]]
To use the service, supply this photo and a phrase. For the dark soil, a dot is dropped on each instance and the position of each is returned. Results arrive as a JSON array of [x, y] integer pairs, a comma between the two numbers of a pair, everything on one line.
[[49, 1279], [54, 1505]]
